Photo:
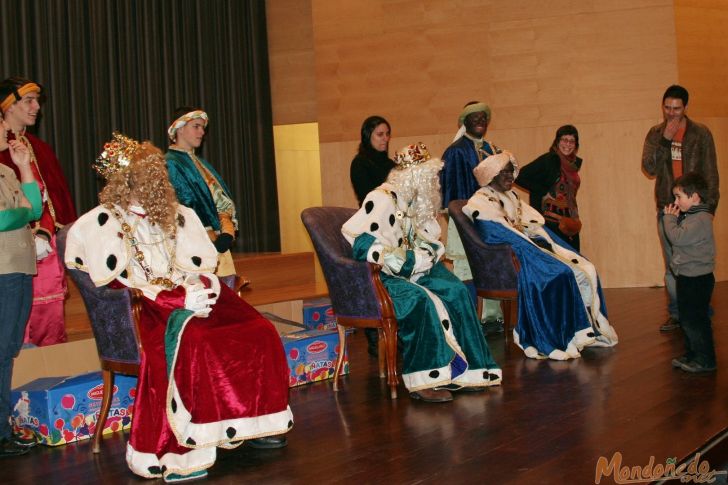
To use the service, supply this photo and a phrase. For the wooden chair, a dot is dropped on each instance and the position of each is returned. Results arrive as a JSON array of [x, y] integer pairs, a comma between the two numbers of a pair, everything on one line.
[[494, 266], [115, 316], [357, 294]]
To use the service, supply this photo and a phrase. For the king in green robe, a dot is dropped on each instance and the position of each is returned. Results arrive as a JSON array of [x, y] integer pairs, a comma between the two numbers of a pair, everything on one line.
[[396, 227]]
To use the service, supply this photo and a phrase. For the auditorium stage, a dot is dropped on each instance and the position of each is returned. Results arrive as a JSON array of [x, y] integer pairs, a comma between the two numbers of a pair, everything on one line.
[[548, 423]]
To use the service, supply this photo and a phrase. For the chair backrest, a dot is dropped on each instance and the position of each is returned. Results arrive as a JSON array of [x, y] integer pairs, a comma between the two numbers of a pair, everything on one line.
[[350, 284], [109, 311], [491, 264]]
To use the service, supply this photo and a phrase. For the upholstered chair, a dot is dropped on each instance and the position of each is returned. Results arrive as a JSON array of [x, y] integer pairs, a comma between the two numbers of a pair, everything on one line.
[[357, 294], [494, 266]]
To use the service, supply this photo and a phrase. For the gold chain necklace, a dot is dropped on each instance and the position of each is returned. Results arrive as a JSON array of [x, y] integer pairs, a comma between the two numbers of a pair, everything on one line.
[[24, 140], [517, 223], [163, 281]]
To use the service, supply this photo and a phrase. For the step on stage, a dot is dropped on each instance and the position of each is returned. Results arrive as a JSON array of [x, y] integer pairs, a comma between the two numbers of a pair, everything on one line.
[[548, 424]]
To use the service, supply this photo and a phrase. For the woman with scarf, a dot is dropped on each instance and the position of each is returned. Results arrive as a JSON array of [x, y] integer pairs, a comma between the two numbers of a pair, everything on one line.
[[443, 349], [561, 308], [213, 371], [553, 181]]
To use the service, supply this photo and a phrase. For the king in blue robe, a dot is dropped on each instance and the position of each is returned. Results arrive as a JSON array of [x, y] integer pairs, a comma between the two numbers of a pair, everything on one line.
[[561, 307]]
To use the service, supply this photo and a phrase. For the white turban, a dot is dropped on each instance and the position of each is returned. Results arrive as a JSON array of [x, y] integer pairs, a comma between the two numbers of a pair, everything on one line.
[[488, 169]]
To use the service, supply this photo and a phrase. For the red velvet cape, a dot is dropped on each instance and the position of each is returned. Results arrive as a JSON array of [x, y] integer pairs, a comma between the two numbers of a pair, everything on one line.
[[50, 170]]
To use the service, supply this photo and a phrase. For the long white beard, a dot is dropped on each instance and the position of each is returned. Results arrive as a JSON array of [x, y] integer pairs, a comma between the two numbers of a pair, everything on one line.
[[419, 186]]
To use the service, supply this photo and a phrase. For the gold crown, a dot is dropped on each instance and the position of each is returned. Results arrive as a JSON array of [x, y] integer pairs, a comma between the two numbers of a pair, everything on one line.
[[116, 156], [411, 155]]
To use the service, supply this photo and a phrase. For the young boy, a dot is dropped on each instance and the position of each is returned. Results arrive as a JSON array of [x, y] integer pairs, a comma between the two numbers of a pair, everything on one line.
[[689, 227]]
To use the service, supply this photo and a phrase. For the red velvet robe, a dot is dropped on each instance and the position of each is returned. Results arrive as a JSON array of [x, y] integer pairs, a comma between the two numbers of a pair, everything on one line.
[[230, 384]]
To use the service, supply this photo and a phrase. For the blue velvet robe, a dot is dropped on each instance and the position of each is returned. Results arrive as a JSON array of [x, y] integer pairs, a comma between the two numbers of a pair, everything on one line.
[[550, 309], [554, 319], [192, 190], [456, 178]]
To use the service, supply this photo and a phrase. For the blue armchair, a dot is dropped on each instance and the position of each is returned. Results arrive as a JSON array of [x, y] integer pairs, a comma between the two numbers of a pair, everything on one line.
[[494, 266], [357, 294]]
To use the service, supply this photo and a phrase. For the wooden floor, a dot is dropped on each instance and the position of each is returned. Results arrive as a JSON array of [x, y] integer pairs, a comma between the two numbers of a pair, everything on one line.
[[548, 423]]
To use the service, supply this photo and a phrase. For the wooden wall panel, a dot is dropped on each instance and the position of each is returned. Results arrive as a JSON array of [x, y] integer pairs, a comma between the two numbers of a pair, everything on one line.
[[291, 61], [719, 128], [537, 63], [702, 54]]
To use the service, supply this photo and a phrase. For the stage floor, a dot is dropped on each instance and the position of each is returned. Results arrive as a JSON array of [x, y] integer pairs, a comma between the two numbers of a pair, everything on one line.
[[548, 423]]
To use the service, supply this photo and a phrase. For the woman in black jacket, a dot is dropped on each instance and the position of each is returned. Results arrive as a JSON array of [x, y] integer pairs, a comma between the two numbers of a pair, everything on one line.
[[372, 164], [553, 181]]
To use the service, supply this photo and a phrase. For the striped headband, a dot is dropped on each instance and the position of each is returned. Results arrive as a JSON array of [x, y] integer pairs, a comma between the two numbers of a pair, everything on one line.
[[18, 94], [183, 120], [474, 108]]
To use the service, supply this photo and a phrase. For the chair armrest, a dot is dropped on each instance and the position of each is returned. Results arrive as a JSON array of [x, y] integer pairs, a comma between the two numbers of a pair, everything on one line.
[[385, 300], [136, 296], [351, 288]]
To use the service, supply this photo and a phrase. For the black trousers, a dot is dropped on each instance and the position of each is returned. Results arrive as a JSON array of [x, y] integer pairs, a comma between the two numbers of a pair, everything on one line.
[[693, 301]]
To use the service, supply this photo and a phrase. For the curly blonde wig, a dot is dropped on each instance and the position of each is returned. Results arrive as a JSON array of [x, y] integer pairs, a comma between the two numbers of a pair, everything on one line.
[[145, 183]]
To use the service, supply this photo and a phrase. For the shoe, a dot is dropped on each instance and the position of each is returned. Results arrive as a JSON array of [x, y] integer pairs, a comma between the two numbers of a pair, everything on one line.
[[176, 477], [472, 389], [268, 442], [680, 361], [432, 395], [495, 326], [24, 442], [670, 325], [457, 388], [8, 447], [697, 368]]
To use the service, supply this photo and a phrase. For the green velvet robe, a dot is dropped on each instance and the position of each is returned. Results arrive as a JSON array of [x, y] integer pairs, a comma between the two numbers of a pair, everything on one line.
[[437, 323]]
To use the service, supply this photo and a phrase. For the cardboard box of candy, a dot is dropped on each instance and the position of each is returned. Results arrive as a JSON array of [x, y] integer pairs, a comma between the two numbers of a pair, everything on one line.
[[318, 314], [312, 355], [60, 410]]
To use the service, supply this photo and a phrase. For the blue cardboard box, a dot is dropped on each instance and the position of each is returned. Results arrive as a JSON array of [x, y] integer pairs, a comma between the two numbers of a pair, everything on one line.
[[60, 410], [312, 356], [318, 314]]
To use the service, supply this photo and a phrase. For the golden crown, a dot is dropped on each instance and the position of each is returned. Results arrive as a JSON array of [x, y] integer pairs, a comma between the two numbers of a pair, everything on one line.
[[411, 155], [116, 156]]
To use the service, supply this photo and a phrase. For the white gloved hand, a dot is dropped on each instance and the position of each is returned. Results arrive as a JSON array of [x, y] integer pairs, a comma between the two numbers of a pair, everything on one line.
[[42, 248], [423, 261], [198, 299]]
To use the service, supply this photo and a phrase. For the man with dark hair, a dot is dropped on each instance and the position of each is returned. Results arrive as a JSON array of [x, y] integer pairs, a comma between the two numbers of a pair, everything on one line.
[[20, 104], [674, 147], [199, 186]]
